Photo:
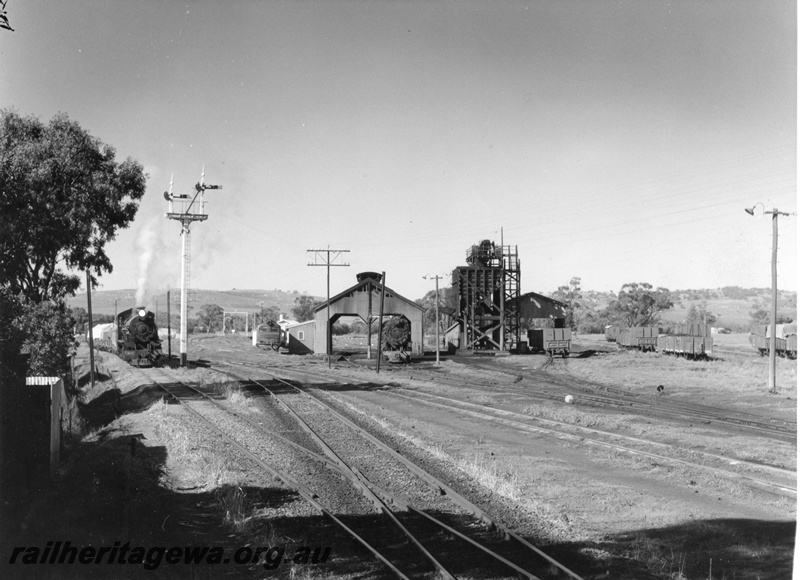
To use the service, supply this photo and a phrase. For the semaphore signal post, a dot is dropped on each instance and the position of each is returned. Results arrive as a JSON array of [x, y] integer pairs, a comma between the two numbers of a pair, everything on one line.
[[190, 208]]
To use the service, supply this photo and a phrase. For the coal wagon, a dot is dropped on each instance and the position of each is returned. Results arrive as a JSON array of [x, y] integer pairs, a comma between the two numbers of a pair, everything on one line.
[[785, 340], [693, 347], [642, 338], [550, 340]]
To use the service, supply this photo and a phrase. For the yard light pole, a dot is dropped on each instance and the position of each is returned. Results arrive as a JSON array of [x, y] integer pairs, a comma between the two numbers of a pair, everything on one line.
[[774, 315]]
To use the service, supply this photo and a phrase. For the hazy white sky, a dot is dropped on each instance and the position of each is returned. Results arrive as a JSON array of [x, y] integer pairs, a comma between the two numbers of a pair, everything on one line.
[[614, 141]]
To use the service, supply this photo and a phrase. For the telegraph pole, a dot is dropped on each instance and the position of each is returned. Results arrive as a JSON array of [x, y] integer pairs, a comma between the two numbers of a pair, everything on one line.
[[774, 314], [437, 278], [327, 261], [773, 388], [380, 323], [169, 332], [189, 212]]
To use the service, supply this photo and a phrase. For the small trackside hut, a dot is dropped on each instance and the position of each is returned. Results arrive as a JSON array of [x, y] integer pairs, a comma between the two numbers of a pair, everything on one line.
[[299, 337]]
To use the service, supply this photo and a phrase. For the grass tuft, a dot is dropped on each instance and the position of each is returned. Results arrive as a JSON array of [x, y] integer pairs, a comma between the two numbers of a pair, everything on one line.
[[502, 482]]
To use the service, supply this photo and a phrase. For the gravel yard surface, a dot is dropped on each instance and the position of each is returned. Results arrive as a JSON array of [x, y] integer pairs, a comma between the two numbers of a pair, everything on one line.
[[602, 512]]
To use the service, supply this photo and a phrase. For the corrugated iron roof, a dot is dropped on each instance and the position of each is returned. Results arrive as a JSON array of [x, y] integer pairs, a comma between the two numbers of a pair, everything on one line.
[[361, 284]]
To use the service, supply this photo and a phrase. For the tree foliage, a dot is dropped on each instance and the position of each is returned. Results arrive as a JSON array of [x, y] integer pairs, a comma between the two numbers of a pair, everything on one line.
[[340, 328], [210, 316], [62, 198], [639, 304], [700, 314], [269, 314], [571, 296], [3, 18], [762, 317], [48, 340], [11, 336], [304, 308], [448, 303]]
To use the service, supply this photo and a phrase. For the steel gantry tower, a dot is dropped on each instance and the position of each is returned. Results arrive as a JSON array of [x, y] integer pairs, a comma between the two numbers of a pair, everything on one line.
[[486, 291], [190, 209]]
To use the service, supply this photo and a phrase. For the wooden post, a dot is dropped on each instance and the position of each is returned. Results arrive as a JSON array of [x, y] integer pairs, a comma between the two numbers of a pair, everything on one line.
[[772, 339], [169, 332], [91, 332], [437, 320], [380, 321]]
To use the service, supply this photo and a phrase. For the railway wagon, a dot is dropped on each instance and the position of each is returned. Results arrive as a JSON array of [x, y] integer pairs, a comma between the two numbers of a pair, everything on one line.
[[269, 336], [639, 337], [550, 340], [791, 346], [785, 347], [693, 329], [785, 339], [612, 333], [694, 347]]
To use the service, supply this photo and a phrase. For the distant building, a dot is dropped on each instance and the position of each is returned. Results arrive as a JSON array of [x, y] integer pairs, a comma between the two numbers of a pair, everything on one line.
[[539, 311]]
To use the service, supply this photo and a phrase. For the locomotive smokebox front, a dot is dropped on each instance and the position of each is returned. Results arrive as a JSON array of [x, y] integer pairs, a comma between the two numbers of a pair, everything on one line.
[[141, 327]]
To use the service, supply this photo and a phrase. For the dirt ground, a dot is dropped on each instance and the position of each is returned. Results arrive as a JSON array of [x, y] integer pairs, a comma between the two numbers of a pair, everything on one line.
[[614, 515]]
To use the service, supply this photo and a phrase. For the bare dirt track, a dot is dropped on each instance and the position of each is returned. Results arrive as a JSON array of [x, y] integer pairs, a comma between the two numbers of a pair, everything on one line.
[[611, 490]]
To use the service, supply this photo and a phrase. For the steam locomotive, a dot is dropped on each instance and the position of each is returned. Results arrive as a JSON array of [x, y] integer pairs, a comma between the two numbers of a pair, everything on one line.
[[396, 338], [137, 337]]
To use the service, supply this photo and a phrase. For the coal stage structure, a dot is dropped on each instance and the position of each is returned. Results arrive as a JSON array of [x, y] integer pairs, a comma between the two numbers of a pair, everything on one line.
[[487, 289]]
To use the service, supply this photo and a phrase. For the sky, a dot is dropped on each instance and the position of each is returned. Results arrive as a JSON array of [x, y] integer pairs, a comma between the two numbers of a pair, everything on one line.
[[608, 140]]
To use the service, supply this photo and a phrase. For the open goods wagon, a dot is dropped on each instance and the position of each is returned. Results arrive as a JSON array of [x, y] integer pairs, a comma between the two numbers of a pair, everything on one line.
[[785, 340], [694, 347], [785, 346], [639, 337], [550, 340], [612, 333], [692, 329]]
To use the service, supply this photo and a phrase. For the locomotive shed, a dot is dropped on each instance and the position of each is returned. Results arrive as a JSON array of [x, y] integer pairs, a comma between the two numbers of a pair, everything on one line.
[[593, 508], [363, 300]]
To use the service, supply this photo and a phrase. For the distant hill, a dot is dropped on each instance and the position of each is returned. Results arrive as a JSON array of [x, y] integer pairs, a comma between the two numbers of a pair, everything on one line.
[[732, 305], [229, 300]]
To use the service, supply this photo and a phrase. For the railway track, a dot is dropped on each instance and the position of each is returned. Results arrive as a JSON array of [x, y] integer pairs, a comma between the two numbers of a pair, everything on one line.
[[377, 486], [750, 474], [622, 400], [310, 409], [781, 429], [632, 445]]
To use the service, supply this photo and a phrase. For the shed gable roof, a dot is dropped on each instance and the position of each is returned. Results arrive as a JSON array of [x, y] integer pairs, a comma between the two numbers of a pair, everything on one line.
[[530, 296], [361, 286]]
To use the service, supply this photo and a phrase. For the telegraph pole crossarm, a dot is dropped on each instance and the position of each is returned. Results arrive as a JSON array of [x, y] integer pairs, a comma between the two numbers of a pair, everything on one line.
[[327, 261]]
